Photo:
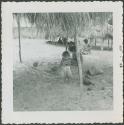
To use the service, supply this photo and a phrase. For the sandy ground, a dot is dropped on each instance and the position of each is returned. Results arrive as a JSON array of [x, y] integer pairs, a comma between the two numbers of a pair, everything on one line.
[[43, 88]]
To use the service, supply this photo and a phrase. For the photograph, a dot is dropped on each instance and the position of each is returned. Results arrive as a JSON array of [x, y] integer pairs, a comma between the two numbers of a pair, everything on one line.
[[62, 62]]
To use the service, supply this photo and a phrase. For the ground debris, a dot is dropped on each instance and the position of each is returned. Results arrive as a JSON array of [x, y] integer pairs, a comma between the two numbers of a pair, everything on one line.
[[35, 64]]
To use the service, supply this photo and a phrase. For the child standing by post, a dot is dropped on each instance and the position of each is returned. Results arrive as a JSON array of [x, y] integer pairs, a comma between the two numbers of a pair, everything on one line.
[[65, 63]]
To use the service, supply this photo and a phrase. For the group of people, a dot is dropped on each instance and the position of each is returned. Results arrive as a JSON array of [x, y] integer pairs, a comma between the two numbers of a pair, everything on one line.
[[62, 40], [67, 59]]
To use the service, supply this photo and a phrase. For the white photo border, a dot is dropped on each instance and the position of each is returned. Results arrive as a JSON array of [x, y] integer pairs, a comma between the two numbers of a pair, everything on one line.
[[8, 116]]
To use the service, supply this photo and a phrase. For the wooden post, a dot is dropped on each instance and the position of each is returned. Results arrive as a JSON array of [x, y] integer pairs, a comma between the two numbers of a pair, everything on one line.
[[111, 44], [18, 22], [78, 59], [95, 41], [102, 42], [67, 41], [108, 43]]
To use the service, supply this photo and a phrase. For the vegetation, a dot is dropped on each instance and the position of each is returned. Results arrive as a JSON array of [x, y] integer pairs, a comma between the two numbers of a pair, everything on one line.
[[70, 25]]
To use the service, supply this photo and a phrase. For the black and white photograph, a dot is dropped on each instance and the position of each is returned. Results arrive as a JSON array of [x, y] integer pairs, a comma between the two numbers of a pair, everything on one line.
[[62, 59]]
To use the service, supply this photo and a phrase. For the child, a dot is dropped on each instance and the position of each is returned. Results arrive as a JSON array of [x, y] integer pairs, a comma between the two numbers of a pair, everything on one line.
[[65, 63], [86, 47]]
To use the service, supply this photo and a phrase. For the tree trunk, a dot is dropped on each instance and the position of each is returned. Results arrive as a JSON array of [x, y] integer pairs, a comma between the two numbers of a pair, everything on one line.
[[78, 59], [20, 58]]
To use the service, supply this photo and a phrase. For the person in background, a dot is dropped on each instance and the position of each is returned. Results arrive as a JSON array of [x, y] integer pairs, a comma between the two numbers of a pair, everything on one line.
[[86, 47]]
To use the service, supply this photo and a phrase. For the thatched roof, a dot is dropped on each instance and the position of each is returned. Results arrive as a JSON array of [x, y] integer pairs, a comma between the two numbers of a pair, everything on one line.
[[66, 22]]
